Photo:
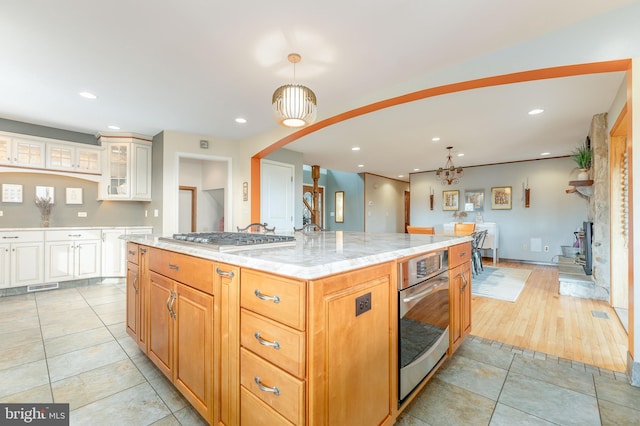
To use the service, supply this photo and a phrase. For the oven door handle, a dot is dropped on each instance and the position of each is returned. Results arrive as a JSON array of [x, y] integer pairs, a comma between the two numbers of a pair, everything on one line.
[[427, 291]]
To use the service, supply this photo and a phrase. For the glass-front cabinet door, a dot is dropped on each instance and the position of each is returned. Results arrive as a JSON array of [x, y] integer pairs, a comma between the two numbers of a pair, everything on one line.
[[118, 169], [28, 153]]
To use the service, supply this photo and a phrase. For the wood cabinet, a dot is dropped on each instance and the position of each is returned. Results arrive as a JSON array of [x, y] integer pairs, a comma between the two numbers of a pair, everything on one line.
[[72, 254], [351, 372], [21, 261], [272, 341], [137, 293], [460, 294], [126, 172], [180, 325]]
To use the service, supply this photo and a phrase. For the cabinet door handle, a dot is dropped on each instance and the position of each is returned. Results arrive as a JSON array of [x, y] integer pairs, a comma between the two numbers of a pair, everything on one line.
[[135, 286], [264, 388], [259, 295], [168, 300], [465, 281], [222, 273], [176, 267], [173, 301], [275, 345]]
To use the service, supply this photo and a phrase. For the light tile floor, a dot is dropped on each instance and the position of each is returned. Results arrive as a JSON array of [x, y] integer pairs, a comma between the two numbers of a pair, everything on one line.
[[70, 346]]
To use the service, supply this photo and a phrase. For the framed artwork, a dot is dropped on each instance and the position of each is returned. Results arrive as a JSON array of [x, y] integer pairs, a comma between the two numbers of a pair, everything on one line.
[[74, 196], [474, 200], [339, 206], [501, 198], [11, 193], [44, 192], [450, 199]]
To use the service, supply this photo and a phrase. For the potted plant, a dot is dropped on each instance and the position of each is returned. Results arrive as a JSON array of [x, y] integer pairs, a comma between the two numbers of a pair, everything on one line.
[[583, 155]]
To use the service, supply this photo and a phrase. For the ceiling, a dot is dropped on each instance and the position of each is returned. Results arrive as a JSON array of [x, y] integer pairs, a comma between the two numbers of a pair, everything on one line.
[[194, 66]]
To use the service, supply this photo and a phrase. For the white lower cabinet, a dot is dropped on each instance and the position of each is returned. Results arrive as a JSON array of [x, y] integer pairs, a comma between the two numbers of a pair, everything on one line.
[[114, 259], [21, 258], [72, 254]]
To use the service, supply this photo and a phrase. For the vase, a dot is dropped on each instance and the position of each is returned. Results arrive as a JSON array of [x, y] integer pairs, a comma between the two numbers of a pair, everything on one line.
[[44, 221], [584, 174]]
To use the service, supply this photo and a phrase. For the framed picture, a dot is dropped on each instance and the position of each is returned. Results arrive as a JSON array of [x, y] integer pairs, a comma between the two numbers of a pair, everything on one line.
[[474, 200], [74, 196], [450, 199], [501, 198], [339, 206], [44, 192], [11, 193]]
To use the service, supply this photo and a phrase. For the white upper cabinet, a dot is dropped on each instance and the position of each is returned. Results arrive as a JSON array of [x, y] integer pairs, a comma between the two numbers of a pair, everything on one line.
[[126, 172], [21, 152], [74, 158]]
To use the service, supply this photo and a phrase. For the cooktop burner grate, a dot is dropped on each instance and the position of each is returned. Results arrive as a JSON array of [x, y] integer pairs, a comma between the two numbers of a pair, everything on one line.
[[233, 240]]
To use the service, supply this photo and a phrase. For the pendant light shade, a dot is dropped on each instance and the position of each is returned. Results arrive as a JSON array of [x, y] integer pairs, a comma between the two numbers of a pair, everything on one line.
[[294, 105]]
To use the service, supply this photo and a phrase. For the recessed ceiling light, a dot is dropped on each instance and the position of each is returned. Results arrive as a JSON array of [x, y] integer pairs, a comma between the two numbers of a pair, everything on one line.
[[461, 154], [436, 139], [536, 111], [545, 153], [355, 148], [88, 95], [400, 175], [241, 120], [114, 127], [360, 165], [416, 170]]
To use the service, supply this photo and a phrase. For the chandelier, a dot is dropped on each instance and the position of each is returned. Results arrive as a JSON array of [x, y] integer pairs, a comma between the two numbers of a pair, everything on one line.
[[449, 173], [294, 105]]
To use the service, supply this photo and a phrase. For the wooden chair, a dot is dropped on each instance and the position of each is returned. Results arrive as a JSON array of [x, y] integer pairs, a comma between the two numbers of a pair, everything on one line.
[[420, 229], [259, 228], [464, 228]]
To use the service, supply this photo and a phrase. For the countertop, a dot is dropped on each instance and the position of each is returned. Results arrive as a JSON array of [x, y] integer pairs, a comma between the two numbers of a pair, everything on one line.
[[317, 254]]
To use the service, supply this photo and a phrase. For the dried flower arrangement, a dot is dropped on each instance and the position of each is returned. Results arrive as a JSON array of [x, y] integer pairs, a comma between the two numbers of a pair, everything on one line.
[[44, 204], [460, 215]]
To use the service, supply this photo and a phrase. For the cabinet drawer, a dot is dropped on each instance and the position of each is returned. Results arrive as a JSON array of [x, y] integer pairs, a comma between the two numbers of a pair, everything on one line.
[[290, 400], [21, 237], [255, 412], [459, 254], [132, 253], [189, 270], [73, 235], [289, 354], [277, 298]]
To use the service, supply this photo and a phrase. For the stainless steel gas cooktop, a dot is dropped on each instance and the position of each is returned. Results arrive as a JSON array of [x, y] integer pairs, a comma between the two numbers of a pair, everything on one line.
[[230, 241]]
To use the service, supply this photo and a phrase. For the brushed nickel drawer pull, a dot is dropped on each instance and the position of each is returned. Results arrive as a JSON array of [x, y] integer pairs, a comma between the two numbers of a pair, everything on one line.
[[463, 254], [143, 250], [261, 296], [264, 388], [131, 252], [10, 238], [222, 273], [176, 267], [275, 345], [74, 235]]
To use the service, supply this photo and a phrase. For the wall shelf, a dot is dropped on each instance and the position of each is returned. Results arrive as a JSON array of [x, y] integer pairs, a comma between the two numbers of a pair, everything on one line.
[[584, 187]]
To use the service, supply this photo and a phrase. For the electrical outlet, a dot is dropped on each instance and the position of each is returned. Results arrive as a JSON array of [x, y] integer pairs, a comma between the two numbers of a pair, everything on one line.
[[1, 213], [146, 213], [525, 247], [82, 214], [155, 212], [363, 304], [546, 248]]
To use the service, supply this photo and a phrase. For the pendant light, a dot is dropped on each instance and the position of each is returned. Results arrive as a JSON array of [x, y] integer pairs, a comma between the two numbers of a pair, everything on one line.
[[294, 105], [449, 173]]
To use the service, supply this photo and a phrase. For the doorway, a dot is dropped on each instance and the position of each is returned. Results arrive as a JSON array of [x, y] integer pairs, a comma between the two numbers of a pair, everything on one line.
[[188, 206], [307, 196]]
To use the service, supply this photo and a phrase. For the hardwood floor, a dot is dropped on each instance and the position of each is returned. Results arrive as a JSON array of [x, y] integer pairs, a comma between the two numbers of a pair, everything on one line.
[[544, 321]]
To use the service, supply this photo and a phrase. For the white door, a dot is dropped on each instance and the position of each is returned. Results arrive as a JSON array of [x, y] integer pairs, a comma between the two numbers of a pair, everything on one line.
[[276, 195]]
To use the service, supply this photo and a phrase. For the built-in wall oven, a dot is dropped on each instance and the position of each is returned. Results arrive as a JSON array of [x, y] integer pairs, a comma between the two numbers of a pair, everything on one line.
[[423, 323]]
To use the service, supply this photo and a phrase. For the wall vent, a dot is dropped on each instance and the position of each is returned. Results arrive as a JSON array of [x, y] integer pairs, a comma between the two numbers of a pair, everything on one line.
[[42, 287]]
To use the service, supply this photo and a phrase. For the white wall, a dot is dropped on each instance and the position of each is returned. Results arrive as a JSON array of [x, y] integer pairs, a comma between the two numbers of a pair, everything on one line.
[[202, 174], [552, 218]]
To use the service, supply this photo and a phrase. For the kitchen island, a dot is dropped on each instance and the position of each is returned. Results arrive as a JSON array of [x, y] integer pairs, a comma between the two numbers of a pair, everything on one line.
[[281, 335]]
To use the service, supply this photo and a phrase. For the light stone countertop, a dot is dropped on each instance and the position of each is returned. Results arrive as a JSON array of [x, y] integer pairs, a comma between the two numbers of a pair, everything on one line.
[[316, 254], [58, 228]]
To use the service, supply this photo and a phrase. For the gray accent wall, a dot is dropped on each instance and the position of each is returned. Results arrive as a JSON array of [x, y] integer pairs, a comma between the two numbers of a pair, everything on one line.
[[550, 220], [47, 132]]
